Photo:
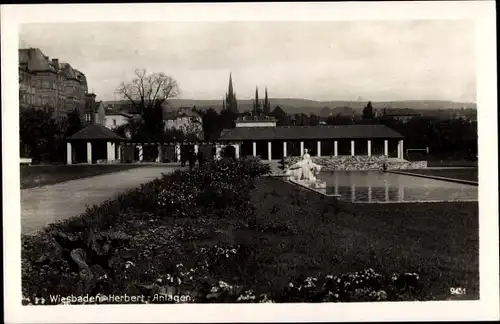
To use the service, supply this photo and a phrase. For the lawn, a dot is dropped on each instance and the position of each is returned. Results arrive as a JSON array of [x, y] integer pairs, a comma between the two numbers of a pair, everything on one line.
[[257, 238], [469, 174], [41, 175]]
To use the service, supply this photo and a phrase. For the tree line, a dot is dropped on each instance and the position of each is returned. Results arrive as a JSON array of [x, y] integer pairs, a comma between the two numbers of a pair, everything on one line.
[[42, 136]]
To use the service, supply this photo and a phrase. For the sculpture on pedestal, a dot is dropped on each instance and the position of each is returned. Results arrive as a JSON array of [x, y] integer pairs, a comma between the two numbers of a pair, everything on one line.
[[305, 169]]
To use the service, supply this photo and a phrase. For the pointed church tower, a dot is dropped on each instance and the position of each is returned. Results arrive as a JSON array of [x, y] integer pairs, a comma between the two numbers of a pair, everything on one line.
[[231, 102], [230, 88], [256, 103], [267, 105]]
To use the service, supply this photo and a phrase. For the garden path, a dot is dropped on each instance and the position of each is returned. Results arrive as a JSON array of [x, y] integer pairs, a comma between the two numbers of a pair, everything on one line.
[[51, 203]]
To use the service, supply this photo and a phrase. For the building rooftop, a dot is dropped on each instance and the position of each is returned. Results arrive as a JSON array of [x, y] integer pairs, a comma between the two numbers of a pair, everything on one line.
[[95, 132], [112, 112], [181, 112], [309, 133]]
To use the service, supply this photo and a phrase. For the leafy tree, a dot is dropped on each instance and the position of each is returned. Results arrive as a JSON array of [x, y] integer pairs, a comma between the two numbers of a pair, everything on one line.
[[42, 134], [73, 123], [210, 123], [227, 119], [313, 120], [368, 111], [339, 120]]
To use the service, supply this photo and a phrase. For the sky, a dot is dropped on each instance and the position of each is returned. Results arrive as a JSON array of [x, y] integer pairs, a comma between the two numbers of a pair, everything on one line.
[[337, 60]]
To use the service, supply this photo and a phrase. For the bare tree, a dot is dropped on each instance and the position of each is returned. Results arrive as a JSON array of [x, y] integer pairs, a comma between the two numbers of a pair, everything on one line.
[[148, 90]]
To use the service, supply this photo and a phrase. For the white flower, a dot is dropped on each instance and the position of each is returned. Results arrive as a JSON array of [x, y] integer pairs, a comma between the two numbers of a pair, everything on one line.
[[290, 285]]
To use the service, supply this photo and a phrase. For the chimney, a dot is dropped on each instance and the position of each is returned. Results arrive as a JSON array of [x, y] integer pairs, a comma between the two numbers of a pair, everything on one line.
[[56, 63]]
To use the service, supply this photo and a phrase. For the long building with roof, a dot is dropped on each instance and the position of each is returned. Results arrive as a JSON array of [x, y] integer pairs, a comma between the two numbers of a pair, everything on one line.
[[261, 137], [48, 82]]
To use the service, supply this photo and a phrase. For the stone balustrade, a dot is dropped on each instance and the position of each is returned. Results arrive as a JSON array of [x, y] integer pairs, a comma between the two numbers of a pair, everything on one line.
[[360, 163]]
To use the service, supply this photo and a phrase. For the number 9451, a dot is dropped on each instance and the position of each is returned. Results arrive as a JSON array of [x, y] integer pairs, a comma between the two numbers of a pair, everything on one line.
[[457, 291]]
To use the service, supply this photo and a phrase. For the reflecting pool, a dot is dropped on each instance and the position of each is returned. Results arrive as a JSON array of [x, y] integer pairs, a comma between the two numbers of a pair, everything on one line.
[[379, 187]]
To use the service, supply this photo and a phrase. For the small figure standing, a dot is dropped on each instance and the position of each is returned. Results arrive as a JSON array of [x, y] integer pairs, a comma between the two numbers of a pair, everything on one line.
[[192, 159], [384, 167], [200, 158], [183, 158]]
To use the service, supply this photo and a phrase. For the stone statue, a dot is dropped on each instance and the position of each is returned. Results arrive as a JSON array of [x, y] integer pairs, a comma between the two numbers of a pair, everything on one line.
[[305, 169]]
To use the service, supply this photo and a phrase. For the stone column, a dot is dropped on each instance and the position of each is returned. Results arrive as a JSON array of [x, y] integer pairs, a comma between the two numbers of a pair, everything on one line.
[[218, 149], [89, 152], [352, 149], [399, 149], [402, 150], [386, 192], [254, 148], [369, 148], [177, 152], [119, 152], [141, 153], [301, 148], [318, 148], [386, 147], [113, 151], [237, 150], [284, 149], [269, 151], [69, 153], [158, 157], [335, 148]]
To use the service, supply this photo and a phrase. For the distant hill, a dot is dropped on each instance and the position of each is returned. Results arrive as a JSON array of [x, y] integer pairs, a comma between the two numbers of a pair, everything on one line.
[[323, 108]]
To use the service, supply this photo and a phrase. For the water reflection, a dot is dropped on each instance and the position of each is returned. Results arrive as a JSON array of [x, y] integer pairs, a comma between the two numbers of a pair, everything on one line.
[[374, 186]]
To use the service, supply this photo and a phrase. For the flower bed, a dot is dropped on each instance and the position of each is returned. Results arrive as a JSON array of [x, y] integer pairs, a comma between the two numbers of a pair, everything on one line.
[[220, 234]]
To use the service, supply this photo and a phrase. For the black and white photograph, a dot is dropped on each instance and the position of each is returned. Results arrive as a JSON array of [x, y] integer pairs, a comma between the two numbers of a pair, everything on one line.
[[335, 161]]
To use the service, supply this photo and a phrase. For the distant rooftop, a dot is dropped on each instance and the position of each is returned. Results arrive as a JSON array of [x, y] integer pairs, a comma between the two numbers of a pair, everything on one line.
[[179, 113], [255, 118]]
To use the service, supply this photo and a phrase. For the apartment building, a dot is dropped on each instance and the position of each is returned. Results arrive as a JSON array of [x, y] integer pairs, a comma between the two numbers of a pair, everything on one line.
[[48, 82]]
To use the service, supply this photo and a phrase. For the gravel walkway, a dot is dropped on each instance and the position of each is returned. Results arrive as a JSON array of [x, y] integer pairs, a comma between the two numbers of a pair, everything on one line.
[[48, 204]]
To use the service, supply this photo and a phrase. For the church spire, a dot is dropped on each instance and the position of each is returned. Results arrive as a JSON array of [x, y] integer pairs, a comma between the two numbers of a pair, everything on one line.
[[256, 104], [267, 105], [230, 89], [231, 102]]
